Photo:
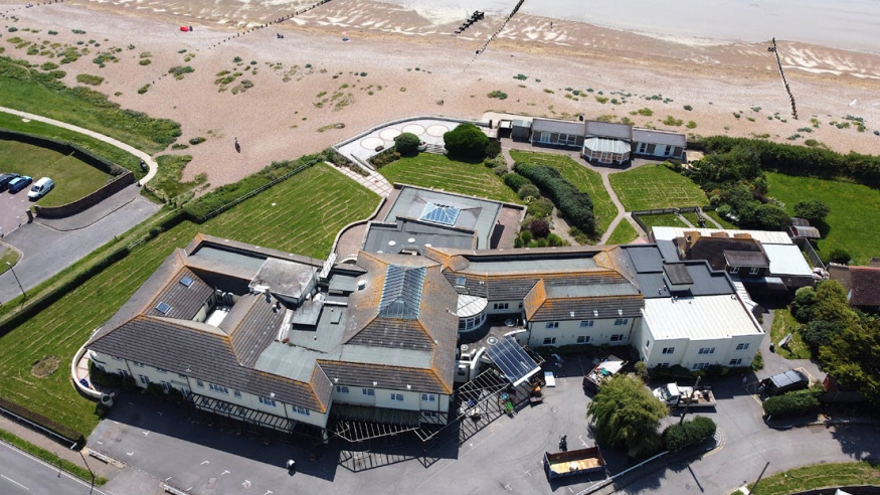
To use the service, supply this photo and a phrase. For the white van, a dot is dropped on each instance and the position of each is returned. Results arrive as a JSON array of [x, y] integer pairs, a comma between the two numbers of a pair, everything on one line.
[[40, 188]]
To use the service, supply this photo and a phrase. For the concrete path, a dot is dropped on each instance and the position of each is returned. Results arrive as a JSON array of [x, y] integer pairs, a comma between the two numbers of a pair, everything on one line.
[[711, 220], [621, 212], [374, 182], [153, 166]]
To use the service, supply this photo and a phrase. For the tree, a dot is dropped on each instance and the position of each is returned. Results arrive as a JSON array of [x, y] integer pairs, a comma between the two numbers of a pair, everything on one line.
[[812, 209], [529, 190], [625, 413], [839, 255], [802, 305], [830, 303], [853, 358], [539, 228], [466, 140], [407, 143], [772, 217]]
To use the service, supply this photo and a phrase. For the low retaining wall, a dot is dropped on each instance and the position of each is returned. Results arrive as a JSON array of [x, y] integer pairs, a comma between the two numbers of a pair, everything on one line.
[[64, 148], [660, 211], [114, 186]]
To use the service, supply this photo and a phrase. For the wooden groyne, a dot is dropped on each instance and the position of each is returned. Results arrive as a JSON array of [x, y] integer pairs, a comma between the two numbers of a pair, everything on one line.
[[775, 51]]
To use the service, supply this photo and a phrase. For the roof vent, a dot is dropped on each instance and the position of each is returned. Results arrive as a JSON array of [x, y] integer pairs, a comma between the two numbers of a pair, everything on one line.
[[595, 313], [186, 281], [163, 308], [362, 284], [336, 380], [408, 386], [375, 383], [619, 312], [571, 313], [411, 240], [391, 243]]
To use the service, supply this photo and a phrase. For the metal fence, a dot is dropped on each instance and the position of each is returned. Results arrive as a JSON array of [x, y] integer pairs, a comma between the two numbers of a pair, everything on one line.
[[807, 247], [660, 211]]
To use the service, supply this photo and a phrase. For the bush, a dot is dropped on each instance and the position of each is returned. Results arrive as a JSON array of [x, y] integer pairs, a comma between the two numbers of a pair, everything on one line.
[[407, 143], [772, 217], [526, 237], [390, 155], [575, 205], [812, 209], [501, 95], [681, 435], [516, 181], [792, 403], [802, 305], [500, 170], [819, 333], [197, 140], [494, 148], [839, 255], [466, 140], [555, 240], [539, 228], [528, 190], [540, 208]]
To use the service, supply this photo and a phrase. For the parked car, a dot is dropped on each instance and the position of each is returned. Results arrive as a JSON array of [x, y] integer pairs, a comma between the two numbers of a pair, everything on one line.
[[19, 183], [40, 188], [782, 383], [5, 179]]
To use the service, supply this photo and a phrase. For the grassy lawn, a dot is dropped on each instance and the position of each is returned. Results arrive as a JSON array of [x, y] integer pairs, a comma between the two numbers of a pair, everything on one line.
[[854, 218], [655, 186], [783, 324], [624, 233], [30, 90], [724, 223], [441, 172], [583, 178], [691, 217], [293, 225], [666, 220], [73, 178], [50, 458], [819, 476], [7, 255]]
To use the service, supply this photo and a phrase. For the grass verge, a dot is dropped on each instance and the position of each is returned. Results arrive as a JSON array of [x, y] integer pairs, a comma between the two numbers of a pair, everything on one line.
[[818, 476], [727, 224], [278, 218], [441, 172], [582, 177], [50, 458], [655, 186], [783, 324], [7, 255], [854, 218], [624, 233], [665, 220]]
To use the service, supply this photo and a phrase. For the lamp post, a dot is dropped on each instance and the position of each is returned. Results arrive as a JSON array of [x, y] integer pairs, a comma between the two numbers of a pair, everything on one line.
[[92, 487], [16, 279]]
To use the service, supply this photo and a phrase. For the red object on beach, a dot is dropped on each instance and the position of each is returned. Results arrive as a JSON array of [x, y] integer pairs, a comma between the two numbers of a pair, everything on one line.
[[184, 28]]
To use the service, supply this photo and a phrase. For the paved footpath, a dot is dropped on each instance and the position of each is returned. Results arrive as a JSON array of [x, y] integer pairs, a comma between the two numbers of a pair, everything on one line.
[[153, 166], [374, 182]]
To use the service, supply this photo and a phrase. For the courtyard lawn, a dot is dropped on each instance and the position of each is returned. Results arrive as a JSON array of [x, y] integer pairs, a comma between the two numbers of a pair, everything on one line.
[[818, 476], [665, 220], [293, 225], [582, 177], [73, 178], [442, 172], [854, 221], [624, 233], [727, 224], [655, 186], [100, 148], [784, 324]]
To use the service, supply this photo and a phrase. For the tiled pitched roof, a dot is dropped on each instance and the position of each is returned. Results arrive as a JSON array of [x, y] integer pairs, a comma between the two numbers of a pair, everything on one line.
[[392, 377], [184, 302], [609, 300]]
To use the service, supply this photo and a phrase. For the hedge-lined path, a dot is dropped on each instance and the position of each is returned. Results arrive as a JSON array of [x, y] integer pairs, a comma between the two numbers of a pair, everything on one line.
[[153, 166], [374, 182]]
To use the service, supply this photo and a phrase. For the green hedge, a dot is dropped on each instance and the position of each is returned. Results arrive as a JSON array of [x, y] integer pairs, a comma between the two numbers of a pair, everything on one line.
[[35, 417], [575, 205], [51, 458], [803, 160], [222, 197], [515, 181], [681, 435], [792, 403]]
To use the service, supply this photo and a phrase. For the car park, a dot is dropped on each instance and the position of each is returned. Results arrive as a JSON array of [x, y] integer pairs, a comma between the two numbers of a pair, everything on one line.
[[19, 183], [5, 179], [40, 188]]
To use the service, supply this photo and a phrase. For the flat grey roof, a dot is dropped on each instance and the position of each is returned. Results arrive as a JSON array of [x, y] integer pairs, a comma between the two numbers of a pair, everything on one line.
[[593, 290], [283, 277], [659, 137], [228, 257], [646, 259], [677, 273], [560, 126], [608, 129], [649, 265], [532, 266], [410, 234]]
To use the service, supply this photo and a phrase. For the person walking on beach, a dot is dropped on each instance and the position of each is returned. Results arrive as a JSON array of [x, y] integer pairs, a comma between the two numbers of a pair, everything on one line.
[[237, 146]]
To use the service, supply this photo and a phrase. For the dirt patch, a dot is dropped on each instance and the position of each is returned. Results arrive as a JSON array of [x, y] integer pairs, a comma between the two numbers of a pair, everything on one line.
[[45, 366]]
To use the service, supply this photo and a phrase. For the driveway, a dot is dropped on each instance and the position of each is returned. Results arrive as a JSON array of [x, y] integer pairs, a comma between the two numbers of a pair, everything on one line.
[[50, 246], [12, 210]]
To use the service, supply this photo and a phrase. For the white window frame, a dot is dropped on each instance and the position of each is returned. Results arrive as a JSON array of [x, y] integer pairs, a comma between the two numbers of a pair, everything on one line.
[[500, 306], [617, 337], [368, 391], [668, 350], [742, 346], [549, 340], [734, 269], [583, 339], [619, 322], [706, 350], [267, 401], [341, 389], [429, 398], [144, 379], [735, 362], [301, 410], [237, 393], [700, 366], [754, 270], [587, 323], [397, 397], [551, 324]]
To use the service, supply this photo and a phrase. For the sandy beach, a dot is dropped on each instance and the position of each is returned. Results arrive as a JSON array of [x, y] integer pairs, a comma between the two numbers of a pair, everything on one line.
[[399, 62]]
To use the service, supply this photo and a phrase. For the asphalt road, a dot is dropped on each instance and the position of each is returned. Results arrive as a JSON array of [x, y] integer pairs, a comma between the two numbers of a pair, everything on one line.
[[23, 474], [13, 208], [48, 250]]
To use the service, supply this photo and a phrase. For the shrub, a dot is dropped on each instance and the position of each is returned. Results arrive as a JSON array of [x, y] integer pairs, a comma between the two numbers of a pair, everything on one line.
[[688, 108], [197, 140], [813, 210], [466, 140], [526, 236], [515, 181], [818, 333], [494, 148], [145, 61], [554, 240], [407, 143], [681, 435], [143, 89], [772, 217], [49, 66], [839, 255], [575, 205], [539, 228], [758, 362], [802, 305], [672, 121], [528, 190], [89, 79], [156, 390], [500, 170], [540, 208], [180, 71], [501, 95], [390, 155], [792, 403]]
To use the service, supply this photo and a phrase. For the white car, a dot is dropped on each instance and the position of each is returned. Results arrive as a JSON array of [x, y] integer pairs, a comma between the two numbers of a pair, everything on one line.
[[40, 188]]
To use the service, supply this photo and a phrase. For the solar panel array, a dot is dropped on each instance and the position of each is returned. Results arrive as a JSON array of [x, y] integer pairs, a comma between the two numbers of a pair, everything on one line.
[[402, 292], [512, 359], [442, 214]]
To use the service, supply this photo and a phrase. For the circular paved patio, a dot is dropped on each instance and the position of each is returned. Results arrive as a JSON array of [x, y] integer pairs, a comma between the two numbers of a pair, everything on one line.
[[415, 129], [437, 130], [389, 134], [372, 143]]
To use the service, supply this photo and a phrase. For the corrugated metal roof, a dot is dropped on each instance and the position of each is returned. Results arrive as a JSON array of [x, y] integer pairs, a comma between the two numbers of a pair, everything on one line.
[[764, 236], [787, 260], [560, 126], [705, 317], [659, 137], [604, 145]]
